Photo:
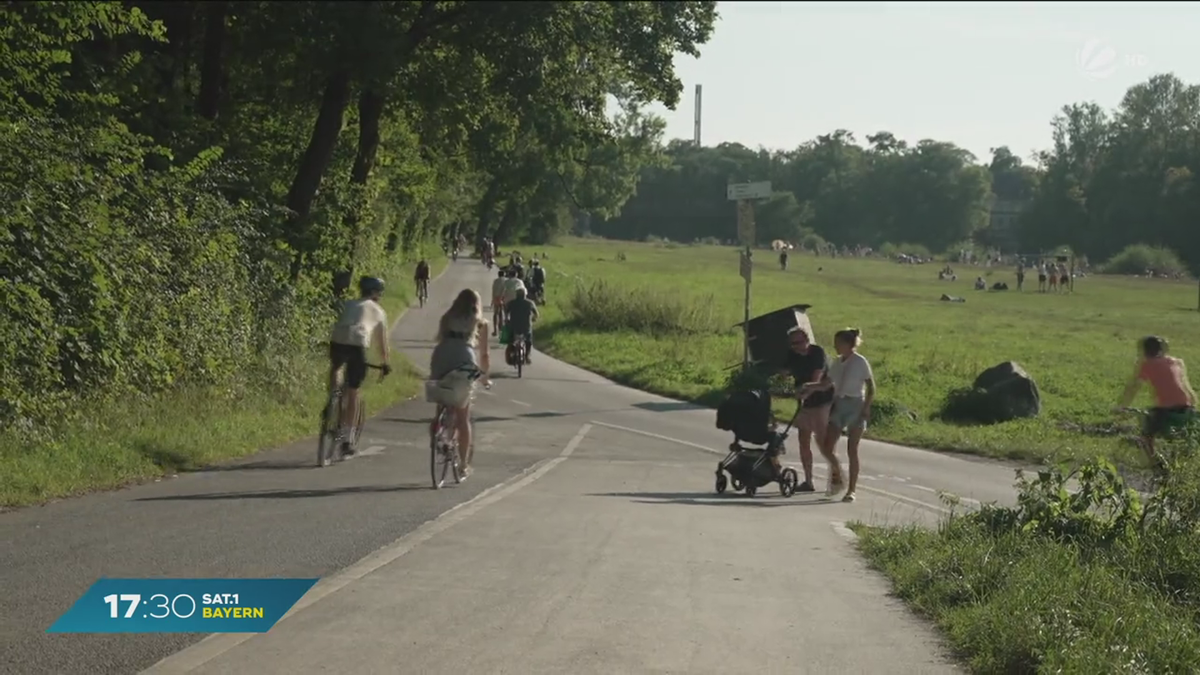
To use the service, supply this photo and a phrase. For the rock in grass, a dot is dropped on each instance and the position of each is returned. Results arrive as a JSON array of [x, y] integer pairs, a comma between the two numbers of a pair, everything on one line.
[[1001, 393]]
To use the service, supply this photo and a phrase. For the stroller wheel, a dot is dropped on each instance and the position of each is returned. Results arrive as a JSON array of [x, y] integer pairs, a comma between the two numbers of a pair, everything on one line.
[[736, 485], [720, 484], [750, 490], [788, 480]]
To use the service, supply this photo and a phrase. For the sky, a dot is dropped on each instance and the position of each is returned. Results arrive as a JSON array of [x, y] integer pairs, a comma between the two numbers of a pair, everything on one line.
[[979, 74]]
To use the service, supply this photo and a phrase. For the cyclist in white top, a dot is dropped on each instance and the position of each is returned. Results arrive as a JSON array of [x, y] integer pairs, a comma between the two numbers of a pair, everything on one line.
[[498, 285], [362, 322], [511, 284]]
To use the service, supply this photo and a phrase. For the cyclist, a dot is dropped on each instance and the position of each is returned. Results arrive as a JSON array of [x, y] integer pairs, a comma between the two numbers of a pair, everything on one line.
[[422, 277], [521, 312], [1174, 398], [461, 329], [511, 285], [498, 285], [537, 280], [362, 322]]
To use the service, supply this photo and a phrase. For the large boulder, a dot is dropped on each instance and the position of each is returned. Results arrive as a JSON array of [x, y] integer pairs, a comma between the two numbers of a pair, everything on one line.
[[1001, 393]]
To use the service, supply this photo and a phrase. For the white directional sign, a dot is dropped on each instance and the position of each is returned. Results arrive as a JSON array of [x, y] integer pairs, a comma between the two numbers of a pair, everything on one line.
[[739, 191]]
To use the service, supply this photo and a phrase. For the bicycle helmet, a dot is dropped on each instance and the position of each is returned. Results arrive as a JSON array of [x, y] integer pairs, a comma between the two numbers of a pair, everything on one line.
[[369, 285]]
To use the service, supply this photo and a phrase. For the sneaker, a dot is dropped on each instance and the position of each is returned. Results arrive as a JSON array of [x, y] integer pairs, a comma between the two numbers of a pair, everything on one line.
[[849, 497], [835, 488], [806, 486]]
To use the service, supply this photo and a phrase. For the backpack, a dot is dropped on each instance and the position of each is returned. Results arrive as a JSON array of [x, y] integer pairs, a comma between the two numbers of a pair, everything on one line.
[[747, 414]]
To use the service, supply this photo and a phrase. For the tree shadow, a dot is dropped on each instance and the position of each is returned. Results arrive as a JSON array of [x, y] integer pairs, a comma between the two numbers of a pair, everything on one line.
[[668, 406], [768, 500], [286, 494]]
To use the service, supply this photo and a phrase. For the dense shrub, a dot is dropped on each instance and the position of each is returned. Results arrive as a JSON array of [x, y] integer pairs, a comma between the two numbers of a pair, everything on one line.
[[1144, 259], [602, 305], [892, 250]]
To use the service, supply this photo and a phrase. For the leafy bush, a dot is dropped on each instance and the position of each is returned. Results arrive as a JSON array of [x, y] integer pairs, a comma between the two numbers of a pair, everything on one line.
[[1142, 259], [892, 250], [602, 305], [1094, 579]]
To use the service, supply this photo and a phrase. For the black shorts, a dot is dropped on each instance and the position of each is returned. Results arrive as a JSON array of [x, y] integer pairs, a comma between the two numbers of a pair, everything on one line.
[[355, 360], [1041, 277], [1160, 420]]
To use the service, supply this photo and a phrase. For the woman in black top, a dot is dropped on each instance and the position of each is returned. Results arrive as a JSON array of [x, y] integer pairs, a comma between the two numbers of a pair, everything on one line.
[[808, 363]]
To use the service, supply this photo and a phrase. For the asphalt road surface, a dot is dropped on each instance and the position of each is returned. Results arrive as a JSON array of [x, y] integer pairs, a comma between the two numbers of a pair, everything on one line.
[[588, 539]]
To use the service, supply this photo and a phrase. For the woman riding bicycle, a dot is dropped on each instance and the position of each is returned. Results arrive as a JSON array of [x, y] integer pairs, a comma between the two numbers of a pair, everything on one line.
[[1174, 398], [460, 329]]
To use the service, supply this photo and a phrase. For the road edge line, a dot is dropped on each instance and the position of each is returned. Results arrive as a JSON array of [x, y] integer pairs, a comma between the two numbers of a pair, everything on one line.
[[196, 656]]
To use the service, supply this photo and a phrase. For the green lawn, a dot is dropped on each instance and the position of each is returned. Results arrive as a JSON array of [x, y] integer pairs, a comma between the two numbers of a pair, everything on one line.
[[1078, 347], [119, 443]]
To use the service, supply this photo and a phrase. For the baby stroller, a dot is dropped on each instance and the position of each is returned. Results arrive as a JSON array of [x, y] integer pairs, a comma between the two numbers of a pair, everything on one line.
[[748, 415]]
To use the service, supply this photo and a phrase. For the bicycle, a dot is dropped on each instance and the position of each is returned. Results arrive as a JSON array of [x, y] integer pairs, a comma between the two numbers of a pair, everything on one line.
[[443, 441], [1175, 431], [423, 291], [518, 343], [331, 417]]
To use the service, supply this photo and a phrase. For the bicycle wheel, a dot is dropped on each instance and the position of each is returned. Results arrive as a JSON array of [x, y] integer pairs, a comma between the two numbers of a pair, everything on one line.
[[329, 424], [359, 420], [520, 362], [437, 470]]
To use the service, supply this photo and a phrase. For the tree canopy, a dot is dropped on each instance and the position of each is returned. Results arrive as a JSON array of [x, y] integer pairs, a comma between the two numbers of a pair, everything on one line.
[[183, 180], [1108, 181]]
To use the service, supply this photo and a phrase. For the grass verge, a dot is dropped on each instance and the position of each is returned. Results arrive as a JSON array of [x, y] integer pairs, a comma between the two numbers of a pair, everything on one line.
[[119, 443], [661, 317], [1095, 581]]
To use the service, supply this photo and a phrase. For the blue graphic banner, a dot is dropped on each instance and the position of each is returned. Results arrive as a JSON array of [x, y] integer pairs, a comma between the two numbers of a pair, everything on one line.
[[182, 606]]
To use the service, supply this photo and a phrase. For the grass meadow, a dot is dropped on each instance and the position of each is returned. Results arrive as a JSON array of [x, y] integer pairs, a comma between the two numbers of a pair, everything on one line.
[[661, 317]]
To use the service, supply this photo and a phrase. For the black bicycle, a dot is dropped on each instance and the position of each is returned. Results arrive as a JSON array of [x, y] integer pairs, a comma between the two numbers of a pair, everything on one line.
[[331, 417], [423, 291]]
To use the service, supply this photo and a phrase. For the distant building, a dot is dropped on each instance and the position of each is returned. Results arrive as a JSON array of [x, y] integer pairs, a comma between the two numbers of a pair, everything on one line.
[[1003, 215]]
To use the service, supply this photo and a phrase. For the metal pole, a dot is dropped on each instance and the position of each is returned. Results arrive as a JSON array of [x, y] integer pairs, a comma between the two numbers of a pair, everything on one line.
[[746, 319]]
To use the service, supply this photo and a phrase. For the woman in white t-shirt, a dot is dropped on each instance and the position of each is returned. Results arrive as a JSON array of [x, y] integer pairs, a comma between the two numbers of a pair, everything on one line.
[[853, 384]]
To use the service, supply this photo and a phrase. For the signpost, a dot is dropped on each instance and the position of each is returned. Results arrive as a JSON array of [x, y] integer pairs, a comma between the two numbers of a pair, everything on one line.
[[745, 194]]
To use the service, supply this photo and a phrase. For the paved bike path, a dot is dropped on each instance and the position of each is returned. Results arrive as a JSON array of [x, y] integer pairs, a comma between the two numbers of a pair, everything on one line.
[[272, 514]]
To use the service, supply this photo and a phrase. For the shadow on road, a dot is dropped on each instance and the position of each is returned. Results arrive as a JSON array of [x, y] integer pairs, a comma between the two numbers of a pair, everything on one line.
[[711, 499], [257, 466], [669, 406], [285, 494]]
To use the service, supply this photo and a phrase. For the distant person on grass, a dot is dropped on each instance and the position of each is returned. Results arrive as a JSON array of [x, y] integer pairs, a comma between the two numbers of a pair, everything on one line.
[[1174, 398], [808, 364], [853, 385], [1041, 277]]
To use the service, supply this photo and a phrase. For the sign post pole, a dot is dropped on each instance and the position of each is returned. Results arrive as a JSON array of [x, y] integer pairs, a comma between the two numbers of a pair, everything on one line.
[[745, 194]]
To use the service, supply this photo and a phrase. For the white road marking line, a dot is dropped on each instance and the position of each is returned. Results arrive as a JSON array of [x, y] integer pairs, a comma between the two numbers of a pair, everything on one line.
[[527, 405], [194, 657], [680, 441], [367, 452]]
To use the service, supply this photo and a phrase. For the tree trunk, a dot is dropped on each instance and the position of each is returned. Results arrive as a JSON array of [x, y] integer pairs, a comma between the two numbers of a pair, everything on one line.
[[370, 111], [315, 162], [486, 207], [208, 102]]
